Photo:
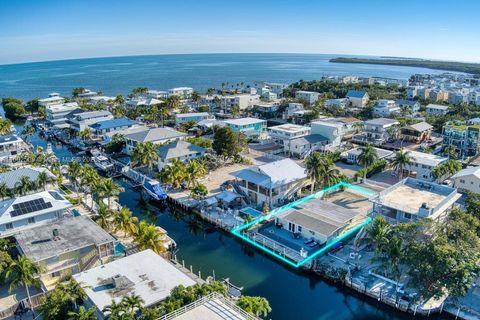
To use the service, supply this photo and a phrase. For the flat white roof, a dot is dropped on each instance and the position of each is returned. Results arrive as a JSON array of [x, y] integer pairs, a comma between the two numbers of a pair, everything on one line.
[[244, 121], [191, 114], [426, 158], [437, 106], [288, 127], [145, 274]]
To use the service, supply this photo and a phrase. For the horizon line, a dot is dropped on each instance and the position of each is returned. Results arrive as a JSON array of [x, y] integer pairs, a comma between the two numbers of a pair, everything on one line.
[[228, 53]]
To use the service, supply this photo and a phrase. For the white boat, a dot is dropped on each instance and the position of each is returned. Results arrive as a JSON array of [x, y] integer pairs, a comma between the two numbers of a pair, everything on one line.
[[154, 189], [49, 149], [102, 163]]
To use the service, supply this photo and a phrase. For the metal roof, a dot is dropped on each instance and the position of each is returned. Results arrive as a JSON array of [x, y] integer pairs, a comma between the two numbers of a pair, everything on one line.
[[356, 93], [11, 178], [155, 134], [112, 123], [179, 149]]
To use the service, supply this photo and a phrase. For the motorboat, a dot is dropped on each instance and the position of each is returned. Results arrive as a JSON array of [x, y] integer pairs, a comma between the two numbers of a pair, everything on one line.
[[102, 163], [154, 189]]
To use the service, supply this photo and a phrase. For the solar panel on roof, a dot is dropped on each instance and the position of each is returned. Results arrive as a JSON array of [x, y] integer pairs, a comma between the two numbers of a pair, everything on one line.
[[30, 206]]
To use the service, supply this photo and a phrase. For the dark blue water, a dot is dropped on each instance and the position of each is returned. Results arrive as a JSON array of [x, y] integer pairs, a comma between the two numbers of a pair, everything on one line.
[[118, 75]]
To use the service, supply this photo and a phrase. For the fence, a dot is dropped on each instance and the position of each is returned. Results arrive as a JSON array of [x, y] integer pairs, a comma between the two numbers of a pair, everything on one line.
[[36, 301]]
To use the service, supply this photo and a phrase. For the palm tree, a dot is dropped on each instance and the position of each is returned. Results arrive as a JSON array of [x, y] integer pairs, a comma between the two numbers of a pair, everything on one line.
[[174, 173], [367, 156], [377, 234], [119, 100], [194, 170], [23, 185], [148, 237], [402, 159], [196, 97], [73, 173], [256, 305], [145, 154], [450, 151], [108, 189], [125, 221], [132, 303], [313, 165], [5, 127], [173, 102], [4, 191], [24, 272], [329, 173], [76, 293], [114, 310], [83, 314], [85, 134], [103, 216], [42, 180]]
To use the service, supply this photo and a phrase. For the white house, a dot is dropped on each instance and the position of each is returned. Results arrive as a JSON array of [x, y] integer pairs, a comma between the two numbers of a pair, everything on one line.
[[83, 120], [422, 165], [436, 109], [412, 106], [375, 131], [386, 108], [154, 135], [144, 274], [341, 103], [11, 146], [53, 98], [182, 92], [57, 114], [310, 96], [467, 180], [274, 183], [139, 101], [31, 210], [178, 150], [352, 154], [193, 116], [248, 126], [291, 109], [330, 129], [157, 94], [303, 146], [288, 131], [357, 98], [112, 125], [224, 104]]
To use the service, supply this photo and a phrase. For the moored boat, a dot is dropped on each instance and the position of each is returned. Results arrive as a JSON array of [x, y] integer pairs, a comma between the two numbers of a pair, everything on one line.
[[154, 189]]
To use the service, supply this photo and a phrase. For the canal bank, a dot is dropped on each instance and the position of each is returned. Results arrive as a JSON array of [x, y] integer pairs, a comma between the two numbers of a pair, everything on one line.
[[293, 294]]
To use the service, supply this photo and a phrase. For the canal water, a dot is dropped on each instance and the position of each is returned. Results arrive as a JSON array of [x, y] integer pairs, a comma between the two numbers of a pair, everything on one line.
[[292, 294]]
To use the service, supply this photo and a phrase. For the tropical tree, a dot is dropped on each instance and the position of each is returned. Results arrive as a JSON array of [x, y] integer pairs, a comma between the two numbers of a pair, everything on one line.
[[24, 272], [402, 159], [313, 168], [132, 303], [377, 234], [107, 188], [74, 170], [367, 156], [446, 169], [119, 100], [174, 173], [145, 154], [103, 216], [5, 127], [42, 180], [173, 102], [23, 185], [86, 134], [82, 314], [258, 306], [199, 191], [125, 221], [4, 191], [450, 151], [194, 170], [147, 236]]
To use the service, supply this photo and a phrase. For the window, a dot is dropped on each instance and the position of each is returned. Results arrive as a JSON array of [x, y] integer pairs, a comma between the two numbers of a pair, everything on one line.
[[407, 215], [31, 220], [462, 181], [299, 228], [9, 226]]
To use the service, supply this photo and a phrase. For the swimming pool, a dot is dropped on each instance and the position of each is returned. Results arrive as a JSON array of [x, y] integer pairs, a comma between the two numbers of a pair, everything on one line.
[[119, 249], [75, 213], [253, 212]]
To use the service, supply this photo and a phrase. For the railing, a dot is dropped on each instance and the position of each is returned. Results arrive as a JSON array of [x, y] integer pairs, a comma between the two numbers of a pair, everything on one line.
[[36, 301], [236, 312]]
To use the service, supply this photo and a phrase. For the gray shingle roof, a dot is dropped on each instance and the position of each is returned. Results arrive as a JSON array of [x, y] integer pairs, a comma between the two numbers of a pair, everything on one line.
[[421, 126], [11, 178], [155, 134], [179, 149]]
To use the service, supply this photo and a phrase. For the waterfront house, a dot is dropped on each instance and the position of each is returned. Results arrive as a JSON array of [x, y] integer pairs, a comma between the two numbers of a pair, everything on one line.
[[301, 147], [276, 88], [182, 92], [83, 120], [357, 98], [107, 100], [290, 109], [11, 146], [386, 108], [65, 247], [467, 180], [247, 126], [144, 274], [352, 154], [157, 94], [436, 109], [224, 103], [25, 212], [112, 125], [53, 99], [410, 105], [57, 114], [12, 178], [316, 219], [413, 199], [192, 117], [288, 131], [154, 135], [140, 101], [417, 133], [465, 138], [87, 93], [340, 103], [376, 131], [178, 150], [309, 96], [273, 183], [422, 165]]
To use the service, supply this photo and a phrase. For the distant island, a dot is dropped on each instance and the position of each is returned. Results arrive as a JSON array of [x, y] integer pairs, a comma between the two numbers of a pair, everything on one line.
[[473, 68]]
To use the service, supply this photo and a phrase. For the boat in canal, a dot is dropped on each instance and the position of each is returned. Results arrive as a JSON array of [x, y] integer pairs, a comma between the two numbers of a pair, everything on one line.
[[154, 189], [102, 163]]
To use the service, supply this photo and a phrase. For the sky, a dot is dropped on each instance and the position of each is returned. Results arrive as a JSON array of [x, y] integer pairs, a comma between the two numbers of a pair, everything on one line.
[[38, 30]]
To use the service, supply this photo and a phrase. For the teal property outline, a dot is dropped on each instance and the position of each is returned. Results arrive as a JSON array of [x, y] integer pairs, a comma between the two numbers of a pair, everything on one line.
[[237, 231]]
